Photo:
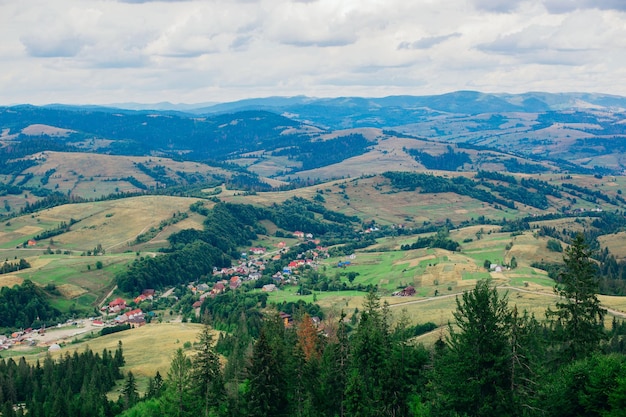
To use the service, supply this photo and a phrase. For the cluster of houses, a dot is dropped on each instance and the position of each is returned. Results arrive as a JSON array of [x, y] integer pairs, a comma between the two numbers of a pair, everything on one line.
[[124, 314], [24, 337], [250, 268], [134, 317]]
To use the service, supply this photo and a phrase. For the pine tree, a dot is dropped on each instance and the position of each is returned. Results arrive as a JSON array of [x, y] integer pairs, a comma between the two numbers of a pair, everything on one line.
[[176, 401], [129, 396], [473, 374], [207, 374], [119, 355], [578, 320], [155, 386], [365, 393], [266, 394]]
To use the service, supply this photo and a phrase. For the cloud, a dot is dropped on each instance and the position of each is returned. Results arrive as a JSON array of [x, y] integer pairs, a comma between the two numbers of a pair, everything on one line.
[[153, 1], [310, 24], [497, 6], [428, 42], [566, 6], [52, 45]]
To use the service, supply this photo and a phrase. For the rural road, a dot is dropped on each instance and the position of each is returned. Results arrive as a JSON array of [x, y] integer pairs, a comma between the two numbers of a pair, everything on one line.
[[611, 311]]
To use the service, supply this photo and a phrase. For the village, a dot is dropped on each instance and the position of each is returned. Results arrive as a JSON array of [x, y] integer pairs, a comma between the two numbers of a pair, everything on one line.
[[250, 268]]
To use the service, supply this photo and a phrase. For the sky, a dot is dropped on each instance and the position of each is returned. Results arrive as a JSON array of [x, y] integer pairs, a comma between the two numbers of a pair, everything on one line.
[[201, 51]]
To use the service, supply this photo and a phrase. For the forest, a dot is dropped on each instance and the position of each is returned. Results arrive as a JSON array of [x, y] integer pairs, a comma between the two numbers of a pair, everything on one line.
[[74, 385]]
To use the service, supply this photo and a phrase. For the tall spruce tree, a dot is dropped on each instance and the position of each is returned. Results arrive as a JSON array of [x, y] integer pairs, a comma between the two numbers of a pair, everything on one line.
[[177, 399], [578, 321], [472, 374], [130, 395], [207, 376], [266, 388]]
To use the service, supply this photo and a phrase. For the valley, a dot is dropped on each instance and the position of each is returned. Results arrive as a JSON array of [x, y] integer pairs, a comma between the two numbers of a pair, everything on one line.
[[236, 217]]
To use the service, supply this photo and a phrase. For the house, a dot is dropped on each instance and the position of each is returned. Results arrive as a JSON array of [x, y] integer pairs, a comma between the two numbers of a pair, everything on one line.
[[286, 318], [197, 304], [117, 305], [149, 293], [298, 234], [407, 292], [122, 318], [203, 287], [309, 235], [255, 276], [235, 282], [139, 299], [137, 322], [257, 251], [218, 288], [31, 242], [269, 288], [136, 313], [98, 323]]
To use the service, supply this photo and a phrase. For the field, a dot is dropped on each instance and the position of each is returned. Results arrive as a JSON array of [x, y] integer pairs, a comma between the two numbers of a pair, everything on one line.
[[114, 224], [147, 349], [439, 276]]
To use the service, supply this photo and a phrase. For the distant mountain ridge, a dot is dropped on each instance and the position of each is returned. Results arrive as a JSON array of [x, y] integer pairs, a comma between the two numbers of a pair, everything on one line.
[[305, 137]]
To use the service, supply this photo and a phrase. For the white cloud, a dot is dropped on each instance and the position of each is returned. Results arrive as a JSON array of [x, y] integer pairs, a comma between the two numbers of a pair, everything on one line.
[[565, 6], [204, 50], [427, 42], [498, 6]]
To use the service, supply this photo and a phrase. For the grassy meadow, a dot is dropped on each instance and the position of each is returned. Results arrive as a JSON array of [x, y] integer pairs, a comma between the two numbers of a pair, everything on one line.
[[438, 276]]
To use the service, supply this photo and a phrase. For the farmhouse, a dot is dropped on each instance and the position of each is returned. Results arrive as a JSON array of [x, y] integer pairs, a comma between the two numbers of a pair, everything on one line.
[[407, 292], [235, 282], [117, 305], [218, 288], [286, 318]]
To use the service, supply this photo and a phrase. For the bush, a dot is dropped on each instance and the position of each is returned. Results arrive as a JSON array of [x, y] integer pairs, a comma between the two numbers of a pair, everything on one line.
[[554, 245]]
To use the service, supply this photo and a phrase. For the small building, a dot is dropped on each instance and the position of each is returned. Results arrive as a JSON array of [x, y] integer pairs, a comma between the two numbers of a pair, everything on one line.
[[137, 322], [286, 318], [117, 305], [235, 282], [269, 288], [136, 313], [218, 288], [407, 292]]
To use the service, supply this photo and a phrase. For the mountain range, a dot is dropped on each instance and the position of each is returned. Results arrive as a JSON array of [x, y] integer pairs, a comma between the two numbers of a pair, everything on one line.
[[282, 139]]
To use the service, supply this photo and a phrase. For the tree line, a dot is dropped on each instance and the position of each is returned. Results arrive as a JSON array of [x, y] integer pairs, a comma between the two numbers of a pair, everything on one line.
[[26, 305], [75, 385]]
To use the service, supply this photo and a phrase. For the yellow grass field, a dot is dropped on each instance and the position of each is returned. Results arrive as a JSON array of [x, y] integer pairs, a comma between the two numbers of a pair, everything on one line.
[[147, 349], [114, 223]]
